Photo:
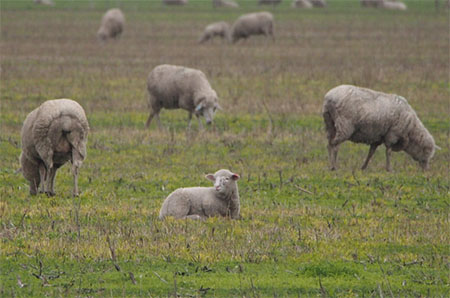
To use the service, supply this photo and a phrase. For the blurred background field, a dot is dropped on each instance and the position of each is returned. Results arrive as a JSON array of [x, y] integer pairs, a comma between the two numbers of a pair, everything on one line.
[[351, 233]]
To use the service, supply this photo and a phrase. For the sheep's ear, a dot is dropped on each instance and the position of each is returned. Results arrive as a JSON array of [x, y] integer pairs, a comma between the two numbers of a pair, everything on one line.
[[437, 147], [210, 177], [235, 177], [199, 107], [219, 107]]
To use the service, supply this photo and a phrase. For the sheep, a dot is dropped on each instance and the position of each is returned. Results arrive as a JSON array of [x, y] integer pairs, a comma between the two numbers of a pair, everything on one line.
[[225, 3], [112, 25], [301, 4], [366, 116], [318, 3], [257, 23], [221, 29], [391, 5], [52, 134], [204, 202], [269, 2], [175, 2], [371, 3], [44, 2], [173, 87]]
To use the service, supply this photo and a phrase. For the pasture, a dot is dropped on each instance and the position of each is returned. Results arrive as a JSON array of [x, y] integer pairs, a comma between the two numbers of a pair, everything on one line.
[[305, 231]]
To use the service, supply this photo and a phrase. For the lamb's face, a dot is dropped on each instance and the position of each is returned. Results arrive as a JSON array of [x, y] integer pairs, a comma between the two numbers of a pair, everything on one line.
[[224, 181]]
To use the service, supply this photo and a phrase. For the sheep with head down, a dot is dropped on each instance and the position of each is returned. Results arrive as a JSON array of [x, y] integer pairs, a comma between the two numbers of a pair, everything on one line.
[[301, 4], [219, 29], [366, 116], [178, 87], [225, 3], [256, 23], [112, 25], [203, 202], [53, 134]]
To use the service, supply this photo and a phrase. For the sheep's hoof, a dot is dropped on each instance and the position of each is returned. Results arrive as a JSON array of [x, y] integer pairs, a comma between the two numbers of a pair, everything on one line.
[[50, 193], [75, 194]]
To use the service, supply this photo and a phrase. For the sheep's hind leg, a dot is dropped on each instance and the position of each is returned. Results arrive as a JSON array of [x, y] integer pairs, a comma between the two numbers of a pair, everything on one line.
[[51, 182], [373, 148]]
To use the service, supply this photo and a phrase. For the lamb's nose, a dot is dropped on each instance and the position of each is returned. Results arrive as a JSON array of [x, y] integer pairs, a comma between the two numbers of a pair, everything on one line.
[[208, 122]]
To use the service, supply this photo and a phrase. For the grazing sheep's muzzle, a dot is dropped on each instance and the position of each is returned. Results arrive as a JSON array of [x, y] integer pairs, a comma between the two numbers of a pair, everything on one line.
[[208, 122]]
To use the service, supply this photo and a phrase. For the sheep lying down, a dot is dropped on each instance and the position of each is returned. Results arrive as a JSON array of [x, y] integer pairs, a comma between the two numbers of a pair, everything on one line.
[[366, 116], [204, 202], [53, 134]]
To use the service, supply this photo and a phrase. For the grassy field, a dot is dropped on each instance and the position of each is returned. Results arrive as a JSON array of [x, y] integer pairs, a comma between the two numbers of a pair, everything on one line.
[[352, 233]]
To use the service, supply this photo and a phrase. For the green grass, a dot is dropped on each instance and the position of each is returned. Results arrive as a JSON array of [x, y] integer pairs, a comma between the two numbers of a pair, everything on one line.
[[351, 233]]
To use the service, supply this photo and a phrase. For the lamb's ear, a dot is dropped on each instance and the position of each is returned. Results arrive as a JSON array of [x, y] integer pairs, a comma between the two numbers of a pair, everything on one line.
[[200, 105], [219, 107], [210, 177], [437, 147], [235, 177]]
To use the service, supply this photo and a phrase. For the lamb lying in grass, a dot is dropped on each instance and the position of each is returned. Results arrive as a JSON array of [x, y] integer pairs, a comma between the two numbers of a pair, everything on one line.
[[203, 202]]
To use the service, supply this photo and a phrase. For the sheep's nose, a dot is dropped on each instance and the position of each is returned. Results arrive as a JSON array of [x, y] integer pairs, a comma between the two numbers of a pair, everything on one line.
[[217, 187], [208, 122]]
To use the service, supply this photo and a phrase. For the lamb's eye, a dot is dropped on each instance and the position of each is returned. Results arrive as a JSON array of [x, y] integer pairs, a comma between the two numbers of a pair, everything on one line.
[[226, 179]]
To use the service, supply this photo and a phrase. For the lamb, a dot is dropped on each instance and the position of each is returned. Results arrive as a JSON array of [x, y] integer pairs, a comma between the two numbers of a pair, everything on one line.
[[269, 2], [52, 134], [221, 29], [301, 4], [225, 3], [173, 87], [112, 25], [391, 5], [257, 23], [374, 118], [318, 3], [175, 2], [203, 202]]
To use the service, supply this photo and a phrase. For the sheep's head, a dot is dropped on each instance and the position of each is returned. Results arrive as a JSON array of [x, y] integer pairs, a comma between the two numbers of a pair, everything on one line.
[[207, 107], [224, 181], [102, 35], [422, 147]]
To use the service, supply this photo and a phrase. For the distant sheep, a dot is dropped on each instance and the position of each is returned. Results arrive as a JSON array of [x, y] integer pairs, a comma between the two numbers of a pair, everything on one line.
[[174, 87], [374, 118], [301, 4], [221, 29], [225, 3], [112, 25], [175, 2], [371, 3], [391, 5], [318, 3], [269, 2], [52, 134], [257, 23], [204, 202], [44, 2]]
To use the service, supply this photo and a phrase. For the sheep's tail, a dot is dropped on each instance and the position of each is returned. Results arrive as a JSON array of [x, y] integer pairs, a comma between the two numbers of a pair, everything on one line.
[[329, 125]]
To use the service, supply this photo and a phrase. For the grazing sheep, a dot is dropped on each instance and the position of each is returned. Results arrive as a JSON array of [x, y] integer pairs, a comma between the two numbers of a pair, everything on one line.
[[257, 23], [52, 134], [374, 118], [269, 2], [371, 3], [225, 3], [44, 2], [391, 5], [301, 4], [175, 2], [174, 87], [318, 3], [203, 202], [221, 29], [112, 25]]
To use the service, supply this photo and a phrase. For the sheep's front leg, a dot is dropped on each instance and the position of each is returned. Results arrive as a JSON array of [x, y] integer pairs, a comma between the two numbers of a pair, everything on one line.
[[189, 120], [200, 125], [52, 181], [388, 159], [332, 155], [373, 148]]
